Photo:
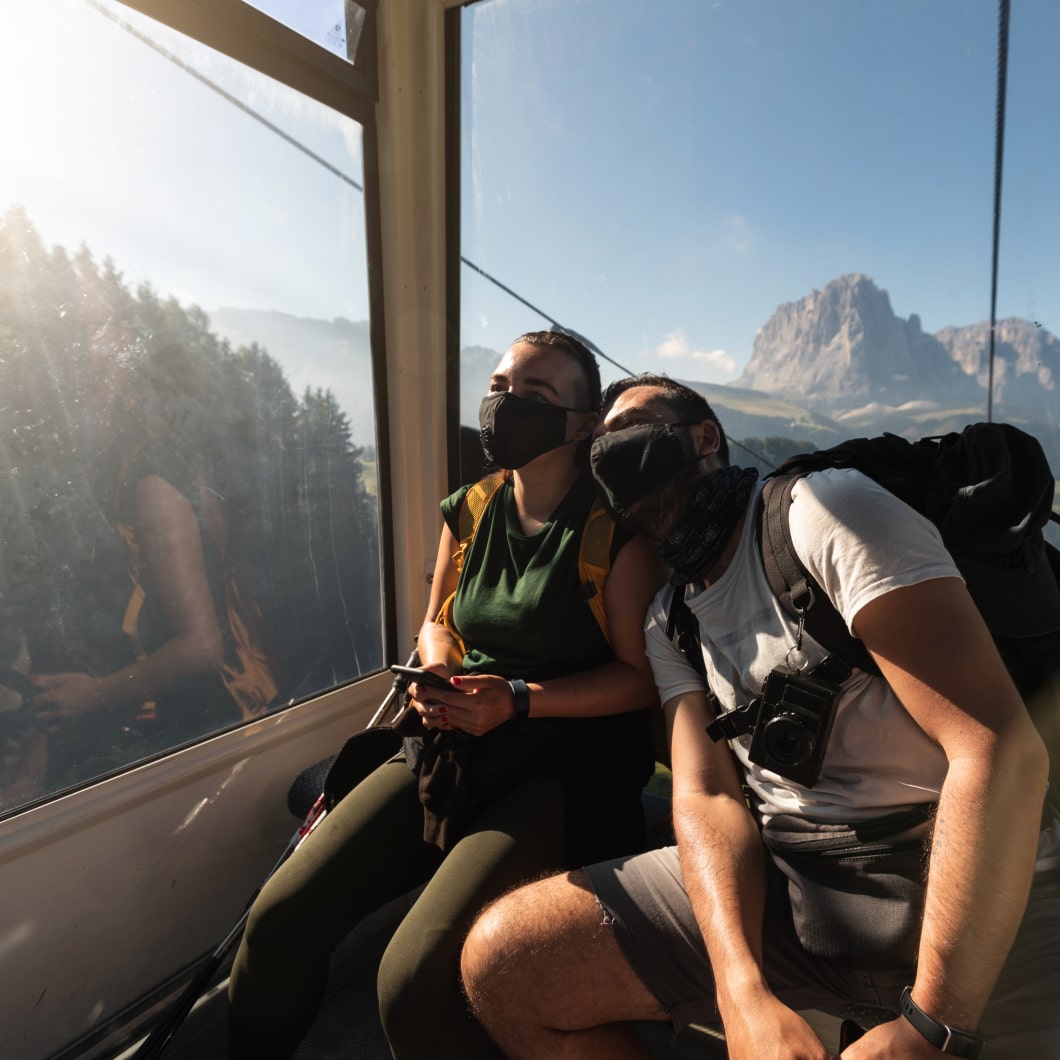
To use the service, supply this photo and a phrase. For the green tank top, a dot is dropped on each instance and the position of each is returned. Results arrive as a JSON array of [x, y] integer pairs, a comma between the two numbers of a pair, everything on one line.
[[520, 608], [521, 611]]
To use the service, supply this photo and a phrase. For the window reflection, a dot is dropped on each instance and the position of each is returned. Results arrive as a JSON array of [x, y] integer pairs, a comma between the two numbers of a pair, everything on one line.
[[188, 519]]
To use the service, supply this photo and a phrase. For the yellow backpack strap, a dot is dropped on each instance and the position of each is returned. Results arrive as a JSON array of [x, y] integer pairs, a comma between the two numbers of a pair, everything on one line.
[[594, 561], [473, 505]]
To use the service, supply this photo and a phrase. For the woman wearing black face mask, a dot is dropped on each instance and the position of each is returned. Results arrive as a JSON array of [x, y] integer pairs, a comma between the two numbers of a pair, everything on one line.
[[534, 758]]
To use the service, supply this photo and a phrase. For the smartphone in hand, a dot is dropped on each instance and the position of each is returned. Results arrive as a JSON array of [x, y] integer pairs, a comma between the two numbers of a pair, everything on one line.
[[427, 678]]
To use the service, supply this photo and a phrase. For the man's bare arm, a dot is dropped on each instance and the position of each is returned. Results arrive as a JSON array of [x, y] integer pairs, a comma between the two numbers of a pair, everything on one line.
[[723, 863], [938, 657]]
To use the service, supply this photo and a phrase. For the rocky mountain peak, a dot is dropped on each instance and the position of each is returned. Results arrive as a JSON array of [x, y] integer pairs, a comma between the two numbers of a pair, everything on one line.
[[844, 345]]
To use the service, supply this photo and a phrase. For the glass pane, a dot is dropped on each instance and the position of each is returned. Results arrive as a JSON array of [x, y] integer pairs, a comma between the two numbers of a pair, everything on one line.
[[789, 205], [333, 24], [1027, 365], [188, 513]]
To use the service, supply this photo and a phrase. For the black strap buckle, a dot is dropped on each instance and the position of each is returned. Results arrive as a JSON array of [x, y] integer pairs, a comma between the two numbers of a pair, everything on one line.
[[734, 723], [946, 1039]]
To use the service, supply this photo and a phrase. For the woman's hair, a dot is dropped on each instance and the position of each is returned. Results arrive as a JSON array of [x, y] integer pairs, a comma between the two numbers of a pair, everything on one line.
[[580, 352], [687, 404]]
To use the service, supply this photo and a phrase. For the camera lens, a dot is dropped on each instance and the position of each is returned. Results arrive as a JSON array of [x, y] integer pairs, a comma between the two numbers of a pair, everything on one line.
[[787, 740]]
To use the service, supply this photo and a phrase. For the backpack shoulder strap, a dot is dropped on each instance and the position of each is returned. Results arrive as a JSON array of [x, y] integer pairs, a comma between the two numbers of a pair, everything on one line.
[[799, 593], [594, 561], [683, 629], [472, 507], [787, 577]]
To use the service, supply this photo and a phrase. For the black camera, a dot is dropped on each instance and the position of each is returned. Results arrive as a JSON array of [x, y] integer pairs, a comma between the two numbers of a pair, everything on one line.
[[795, 717]]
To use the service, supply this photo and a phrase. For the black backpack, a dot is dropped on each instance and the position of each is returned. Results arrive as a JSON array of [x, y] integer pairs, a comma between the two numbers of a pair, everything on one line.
[[989, 490]]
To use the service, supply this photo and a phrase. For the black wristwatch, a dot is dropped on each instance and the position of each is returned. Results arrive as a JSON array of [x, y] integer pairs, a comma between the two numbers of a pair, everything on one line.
[[522, 699], [948, 1040]]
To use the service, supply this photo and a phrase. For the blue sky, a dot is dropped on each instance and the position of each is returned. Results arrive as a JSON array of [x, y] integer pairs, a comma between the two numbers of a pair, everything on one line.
[[658, 174], [688, 166]]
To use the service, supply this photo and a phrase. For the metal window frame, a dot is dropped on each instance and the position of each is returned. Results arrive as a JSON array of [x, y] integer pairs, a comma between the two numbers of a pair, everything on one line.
[[256, 39], [453, 238]]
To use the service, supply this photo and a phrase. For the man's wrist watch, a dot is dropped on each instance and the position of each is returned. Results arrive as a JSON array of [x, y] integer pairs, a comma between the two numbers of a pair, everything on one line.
[[521, 695], [946, 1039]]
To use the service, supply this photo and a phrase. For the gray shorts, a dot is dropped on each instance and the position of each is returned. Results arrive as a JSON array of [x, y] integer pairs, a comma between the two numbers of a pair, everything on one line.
[[644, 900]]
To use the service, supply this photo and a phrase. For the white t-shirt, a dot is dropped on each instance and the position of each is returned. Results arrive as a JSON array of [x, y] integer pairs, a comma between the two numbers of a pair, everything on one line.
[[859, 541]]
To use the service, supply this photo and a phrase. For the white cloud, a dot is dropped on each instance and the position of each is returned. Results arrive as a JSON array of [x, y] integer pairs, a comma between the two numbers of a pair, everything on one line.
[[737, 233], [675, 348]]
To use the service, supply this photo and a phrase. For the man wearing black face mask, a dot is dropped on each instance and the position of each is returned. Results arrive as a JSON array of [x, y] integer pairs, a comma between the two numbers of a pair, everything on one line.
[[754, 915], [655, 475]]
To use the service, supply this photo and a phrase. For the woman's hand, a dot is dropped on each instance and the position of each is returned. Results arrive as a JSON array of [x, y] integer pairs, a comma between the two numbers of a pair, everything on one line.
[[477, 703], [65, 695], [474, 704], [424, 699]]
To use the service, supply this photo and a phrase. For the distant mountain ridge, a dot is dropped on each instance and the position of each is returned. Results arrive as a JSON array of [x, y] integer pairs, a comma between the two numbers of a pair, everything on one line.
[[1026, 364], [842, 350], [330, 355], [835, 364], [746, 413]]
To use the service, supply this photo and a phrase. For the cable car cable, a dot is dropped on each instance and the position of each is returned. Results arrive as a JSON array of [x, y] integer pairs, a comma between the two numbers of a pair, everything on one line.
[[999, 155], [223, 93]]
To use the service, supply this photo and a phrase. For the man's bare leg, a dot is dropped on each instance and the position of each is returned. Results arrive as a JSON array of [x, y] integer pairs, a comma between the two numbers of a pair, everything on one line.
[[546, 977]]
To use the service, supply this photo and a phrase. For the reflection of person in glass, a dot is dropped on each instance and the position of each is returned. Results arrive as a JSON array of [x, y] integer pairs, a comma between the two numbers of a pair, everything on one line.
[[194, 641]]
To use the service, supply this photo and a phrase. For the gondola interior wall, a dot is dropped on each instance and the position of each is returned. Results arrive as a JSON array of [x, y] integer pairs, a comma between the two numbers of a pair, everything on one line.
[[257, 261]]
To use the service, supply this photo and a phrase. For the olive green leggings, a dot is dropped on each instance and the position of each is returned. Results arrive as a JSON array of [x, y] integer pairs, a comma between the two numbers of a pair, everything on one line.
[[367, 851]]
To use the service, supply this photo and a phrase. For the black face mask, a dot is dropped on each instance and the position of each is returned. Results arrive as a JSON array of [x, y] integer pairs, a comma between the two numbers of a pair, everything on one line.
[[516, 430], [631, 463]]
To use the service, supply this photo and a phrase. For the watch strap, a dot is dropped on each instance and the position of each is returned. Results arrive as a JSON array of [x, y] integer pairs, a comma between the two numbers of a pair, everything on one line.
[[521, 695], [946, 1039]]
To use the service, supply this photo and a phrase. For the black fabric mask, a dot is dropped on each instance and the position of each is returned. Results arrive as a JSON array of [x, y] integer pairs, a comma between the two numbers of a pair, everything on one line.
[[516, 430], [631, 463]]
